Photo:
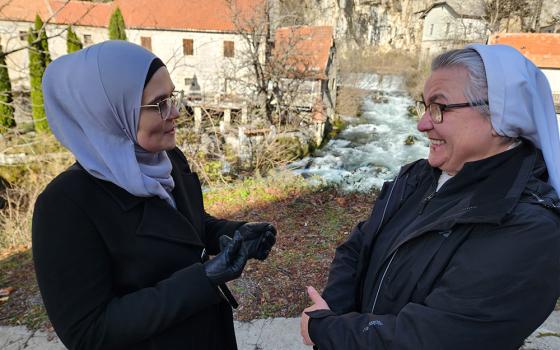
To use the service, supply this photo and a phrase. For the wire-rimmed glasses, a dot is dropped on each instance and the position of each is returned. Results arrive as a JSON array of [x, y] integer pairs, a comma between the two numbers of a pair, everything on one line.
[[166, 105], [436, 109]]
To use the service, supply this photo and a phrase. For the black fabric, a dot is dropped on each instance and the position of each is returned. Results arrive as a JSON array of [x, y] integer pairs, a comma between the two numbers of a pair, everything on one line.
[[478, 268], [123, 272], [154, 66]]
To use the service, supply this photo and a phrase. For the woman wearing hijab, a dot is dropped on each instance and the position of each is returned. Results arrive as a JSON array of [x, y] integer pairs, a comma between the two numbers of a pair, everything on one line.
[[121, 239], [462, 250]]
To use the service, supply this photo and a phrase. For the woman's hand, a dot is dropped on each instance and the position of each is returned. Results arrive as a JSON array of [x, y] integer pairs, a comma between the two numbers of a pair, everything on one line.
[[318, 304], [258, 239], [229, 264]]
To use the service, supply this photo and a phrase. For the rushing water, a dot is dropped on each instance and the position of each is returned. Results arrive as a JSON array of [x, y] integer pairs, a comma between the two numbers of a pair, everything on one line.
[[372, 147]]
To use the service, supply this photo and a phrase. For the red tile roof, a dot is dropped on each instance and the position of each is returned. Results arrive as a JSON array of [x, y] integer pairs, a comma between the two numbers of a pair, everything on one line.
[[23, 10], [541, 48], [198, 15], [305, 48], [82, 12], [203, 15]]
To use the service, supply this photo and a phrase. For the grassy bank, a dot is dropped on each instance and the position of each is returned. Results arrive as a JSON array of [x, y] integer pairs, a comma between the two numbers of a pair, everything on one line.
[[311, 221]]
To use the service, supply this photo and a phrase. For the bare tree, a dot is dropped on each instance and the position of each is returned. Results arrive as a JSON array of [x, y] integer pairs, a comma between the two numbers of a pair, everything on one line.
[[273, 75]]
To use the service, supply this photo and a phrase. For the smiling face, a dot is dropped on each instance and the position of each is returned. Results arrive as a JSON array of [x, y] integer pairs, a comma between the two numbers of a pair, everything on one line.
[[154, 134], [465, 135]]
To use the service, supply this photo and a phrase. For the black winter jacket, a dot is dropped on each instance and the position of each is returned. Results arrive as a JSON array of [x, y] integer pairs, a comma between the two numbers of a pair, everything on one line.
[[123, 272], [478, 267]]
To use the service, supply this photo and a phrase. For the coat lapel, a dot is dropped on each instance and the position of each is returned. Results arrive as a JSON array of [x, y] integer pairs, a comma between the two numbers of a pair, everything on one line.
[[188, 196], [162, 221]]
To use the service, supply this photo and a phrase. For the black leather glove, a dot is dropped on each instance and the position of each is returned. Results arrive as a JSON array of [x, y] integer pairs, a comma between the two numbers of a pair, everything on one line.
[[258, 239], [229, 264]]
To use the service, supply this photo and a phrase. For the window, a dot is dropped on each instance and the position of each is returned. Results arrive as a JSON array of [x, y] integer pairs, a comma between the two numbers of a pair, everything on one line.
[[188, 47], [229, 49], [146, 42], [87, 39], [447, 25], [188, 82], [22, 35], [469, 29], [431, 29]]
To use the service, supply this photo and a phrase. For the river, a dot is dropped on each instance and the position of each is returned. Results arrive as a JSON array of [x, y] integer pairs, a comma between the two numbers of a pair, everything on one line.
[[372, 148]]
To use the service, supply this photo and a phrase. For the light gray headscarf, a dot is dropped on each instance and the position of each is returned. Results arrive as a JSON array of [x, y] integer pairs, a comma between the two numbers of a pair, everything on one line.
[[92, 100], [521, 103]]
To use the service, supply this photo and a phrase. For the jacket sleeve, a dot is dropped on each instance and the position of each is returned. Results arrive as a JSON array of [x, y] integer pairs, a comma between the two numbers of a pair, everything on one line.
[[500, 286], [74, 273]]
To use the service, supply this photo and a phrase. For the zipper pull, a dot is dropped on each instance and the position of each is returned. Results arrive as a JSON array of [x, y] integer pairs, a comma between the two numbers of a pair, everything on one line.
[[425, 202]]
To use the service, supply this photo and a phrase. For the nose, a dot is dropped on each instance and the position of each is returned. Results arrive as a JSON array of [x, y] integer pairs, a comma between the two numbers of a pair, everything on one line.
[[174, 113], [425, 123]]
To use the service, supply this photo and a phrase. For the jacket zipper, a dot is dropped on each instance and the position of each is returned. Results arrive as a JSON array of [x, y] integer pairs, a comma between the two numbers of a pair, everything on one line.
[[542, 201], [382, 278], [425, 202]]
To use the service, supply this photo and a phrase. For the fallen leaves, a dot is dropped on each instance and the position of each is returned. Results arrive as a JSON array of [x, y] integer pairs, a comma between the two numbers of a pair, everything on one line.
[[5, 293]]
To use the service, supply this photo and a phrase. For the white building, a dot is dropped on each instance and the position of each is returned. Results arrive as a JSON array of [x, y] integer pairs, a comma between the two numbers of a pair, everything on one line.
[[194, 38], [452, 24]]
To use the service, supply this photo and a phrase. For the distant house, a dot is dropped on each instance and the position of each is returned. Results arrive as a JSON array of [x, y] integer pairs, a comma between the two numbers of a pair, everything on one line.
[[452, 24], [308, 55], [195, 38], [541, 48]]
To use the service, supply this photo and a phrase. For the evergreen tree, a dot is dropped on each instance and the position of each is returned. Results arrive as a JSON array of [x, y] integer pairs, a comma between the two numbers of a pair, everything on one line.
[[39, 57], [116, 26], [73, 43], [43, 43], [6, 106]]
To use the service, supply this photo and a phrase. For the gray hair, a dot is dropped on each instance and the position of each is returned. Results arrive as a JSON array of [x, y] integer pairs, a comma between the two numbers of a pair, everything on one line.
[[476, 89]]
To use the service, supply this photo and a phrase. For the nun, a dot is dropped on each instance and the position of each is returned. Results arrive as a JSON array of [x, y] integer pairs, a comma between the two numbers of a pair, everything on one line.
[[121, 240], [461, 250]]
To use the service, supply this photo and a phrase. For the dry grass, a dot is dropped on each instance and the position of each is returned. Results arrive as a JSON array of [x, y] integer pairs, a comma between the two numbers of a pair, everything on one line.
[[22, 184], [373, 60]]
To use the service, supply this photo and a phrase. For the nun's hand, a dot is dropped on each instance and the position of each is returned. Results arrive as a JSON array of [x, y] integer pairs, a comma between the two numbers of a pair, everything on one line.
[[229, 264], [258, 239]]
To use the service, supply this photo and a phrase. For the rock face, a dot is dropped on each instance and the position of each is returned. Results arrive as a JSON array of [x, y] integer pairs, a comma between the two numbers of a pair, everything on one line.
[[387, 24]]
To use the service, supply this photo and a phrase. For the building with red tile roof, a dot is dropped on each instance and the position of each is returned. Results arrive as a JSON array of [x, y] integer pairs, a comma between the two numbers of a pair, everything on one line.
[[307, 48], [199, 40], [541, 48], [308, 53], [189, 34]]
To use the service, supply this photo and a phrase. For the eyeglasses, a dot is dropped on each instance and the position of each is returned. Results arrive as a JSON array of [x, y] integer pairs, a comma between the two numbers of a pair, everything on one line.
[[166, 105], [436, 109]]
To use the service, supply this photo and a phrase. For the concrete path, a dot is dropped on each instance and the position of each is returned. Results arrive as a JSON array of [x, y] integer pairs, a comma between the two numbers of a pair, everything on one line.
[[267, 334]]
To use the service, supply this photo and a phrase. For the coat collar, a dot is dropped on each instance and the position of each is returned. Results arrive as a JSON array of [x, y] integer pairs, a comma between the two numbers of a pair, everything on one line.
[[501, 181], [182, 224]]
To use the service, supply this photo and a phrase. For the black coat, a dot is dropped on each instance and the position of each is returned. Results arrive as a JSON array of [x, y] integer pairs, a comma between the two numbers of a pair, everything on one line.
[[476, 265], [123, 272]]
